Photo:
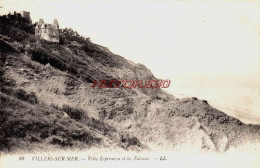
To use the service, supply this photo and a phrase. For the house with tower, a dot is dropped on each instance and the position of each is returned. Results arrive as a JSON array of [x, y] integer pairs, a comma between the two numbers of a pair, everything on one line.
[[47, 31]]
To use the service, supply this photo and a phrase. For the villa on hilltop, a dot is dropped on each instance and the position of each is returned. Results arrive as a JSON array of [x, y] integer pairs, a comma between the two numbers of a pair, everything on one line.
[[48, 32]]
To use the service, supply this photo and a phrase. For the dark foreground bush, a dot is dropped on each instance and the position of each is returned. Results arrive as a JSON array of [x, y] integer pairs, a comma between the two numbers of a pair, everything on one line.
[[21, 94], [23, 125], [43, 56], [74, 113], [128, 141], [82, 116], [28, 97], [103, 127]]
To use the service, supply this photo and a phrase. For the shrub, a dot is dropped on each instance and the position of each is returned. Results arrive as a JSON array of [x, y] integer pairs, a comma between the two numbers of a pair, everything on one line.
[[17, 20], [128, 141], [14, 33], [129, 110], [42, 56], [74, 113], [55, 106], [103, 127], [194, 98], [79, 114], [28, 97]]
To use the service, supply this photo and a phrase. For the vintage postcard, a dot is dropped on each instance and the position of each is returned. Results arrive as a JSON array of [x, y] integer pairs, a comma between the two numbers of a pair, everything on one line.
[[129, 84]]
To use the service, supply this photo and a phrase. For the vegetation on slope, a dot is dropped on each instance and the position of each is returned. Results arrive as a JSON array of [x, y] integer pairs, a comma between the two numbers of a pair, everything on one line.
[[26, 121]]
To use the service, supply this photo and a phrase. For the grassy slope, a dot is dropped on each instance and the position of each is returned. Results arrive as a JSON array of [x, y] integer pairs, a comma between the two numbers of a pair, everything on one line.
[[26, 123], [157, 119]]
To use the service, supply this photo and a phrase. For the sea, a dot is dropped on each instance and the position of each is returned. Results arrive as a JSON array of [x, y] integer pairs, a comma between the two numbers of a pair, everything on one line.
[[237, 95]]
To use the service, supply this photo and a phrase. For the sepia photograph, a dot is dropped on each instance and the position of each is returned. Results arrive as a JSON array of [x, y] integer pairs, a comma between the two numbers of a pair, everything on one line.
[[129, 84]]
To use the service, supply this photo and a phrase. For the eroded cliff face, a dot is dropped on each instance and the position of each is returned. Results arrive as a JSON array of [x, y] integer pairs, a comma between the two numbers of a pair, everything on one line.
[[47, 102]]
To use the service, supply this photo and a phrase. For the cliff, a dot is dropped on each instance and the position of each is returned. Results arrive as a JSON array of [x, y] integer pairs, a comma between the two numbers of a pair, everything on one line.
[[47, 103]]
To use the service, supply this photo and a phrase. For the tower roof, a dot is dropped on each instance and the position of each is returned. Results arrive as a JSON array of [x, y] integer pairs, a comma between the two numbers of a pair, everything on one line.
[[41, 21], [55, 21]]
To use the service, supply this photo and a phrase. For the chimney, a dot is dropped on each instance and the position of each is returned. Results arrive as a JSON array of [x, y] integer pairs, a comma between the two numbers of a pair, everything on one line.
[[55, 22], [41, 21]]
